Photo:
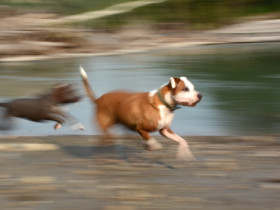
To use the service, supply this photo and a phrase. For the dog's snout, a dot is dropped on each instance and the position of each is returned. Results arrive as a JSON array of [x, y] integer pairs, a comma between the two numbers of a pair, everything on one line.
[[199, 96]]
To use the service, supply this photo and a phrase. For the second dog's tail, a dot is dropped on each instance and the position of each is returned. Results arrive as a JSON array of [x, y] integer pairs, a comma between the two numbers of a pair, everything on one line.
[[87, 87]]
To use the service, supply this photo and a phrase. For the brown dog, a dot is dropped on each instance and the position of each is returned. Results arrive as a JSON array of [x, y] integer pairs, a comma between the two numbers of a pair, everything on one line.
[[146, 112], [44, 107]]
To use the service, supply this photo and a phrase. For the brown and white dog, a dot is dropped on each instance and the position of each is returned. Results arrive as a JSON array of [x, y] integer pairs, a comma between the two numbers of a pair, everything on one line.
[[146, 112], [43, 107]]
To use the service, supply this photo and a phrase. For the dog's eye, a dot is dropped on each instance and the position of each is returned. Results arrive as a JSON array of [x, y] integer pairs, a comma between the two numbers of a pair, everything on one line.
[[185, 89]]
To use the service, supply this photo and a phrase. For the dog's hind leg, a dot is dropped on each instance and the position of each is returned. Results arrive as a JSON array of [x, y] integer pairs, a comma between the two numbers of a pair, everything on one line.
[[151, 143], [105, 122]]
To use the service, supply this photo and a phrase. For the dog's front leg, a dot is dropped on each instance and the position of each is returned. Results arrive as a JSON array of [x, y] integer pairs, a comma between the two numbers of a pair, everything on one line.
[[57, 119], [76, 125], [184, 152], [151, 143]]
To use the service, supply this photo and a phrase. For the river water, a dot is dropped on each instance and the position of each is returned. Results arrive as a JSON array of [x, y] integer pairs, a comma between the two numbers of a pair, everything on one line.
[[240, 85]]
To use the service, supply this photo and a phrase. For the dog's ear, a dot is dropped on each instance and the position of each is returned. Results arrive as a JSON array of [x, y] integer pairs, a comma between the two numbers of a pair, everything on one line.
[[173, 82]]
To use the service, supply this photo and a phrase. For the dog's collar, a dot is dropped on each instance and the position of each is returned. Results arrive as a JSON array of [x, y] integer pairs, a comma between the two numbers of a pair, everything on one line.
[[170, 107]]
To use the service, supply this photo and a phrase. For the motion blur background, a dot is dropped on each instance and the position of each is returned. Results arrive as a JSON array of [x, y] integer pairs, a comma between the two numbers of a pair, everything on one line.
[[228, 49]]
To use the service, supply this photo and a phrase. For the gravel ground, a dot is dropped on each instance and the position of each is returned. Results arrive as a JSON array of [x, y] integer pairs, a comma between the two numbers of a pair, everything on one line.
[[73, 172]]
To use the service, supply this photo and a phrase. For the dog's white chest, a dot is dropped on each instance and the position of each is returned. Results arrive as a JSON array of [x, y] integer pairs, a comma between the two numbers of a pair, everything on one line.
[[166, 117]]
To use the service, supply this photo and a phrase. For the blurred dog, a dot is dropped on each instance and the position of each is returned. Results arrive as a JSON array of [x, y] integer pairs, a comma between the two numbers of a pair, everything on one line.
[[44, 107], [146, 112]]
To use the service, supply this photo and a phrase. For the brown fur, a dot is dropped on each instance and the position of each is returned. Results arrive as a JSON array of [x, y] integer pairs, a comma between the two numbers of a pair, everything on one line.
[[44, 107], [137, 111], [131, 109], [145, 112]]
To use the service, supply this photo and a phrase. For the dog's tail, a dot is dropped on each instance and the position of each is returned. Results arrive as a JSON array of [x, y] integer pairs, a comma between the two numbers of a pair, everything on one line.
[[87, 87]]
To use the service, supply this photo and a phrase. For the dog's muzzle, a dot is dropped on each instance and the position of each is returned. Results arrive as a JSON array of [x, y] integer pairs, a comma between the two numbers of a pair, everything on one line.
[[199, 98]]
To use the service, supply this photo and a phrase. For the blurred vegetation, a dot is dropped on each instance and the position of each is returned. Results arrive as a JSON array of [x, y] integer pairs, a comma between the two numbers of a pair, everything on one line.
[[64, 7], [195, 14]]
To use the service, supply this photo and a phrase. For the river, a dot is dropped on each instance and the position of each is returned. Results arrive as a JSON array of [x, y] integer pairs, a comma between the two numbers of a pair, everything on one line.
[[240, 84]]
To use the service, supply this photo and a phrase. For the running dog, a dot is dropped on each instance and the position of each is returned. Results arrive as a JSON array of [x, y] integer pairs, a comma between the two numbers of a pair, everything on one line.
[[146, 112], [44, 107]]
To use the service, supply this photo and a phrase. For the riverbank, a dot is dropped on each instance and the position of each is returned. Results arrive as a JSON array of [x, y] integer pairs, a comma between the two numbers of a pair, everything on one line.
[[62, 172], [22, 41]]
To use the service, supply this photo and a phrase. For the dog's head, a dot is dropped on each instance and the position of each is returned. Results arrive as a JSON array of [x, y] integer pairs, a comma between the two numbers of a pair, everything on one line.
[[64, 93], [183, 92]]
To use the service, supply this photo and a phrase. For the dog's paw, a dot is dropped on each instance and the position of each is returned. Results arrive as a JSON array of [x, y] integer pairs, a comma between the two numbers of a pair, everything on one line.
[[57, 126], [77, 127], [184, 154], [153, 144]]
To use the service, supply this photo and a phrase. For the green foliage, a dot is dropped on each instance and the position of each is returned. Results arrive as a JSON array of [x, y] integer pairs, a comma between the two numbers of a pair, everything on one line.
[[65, 7], [191, 13]]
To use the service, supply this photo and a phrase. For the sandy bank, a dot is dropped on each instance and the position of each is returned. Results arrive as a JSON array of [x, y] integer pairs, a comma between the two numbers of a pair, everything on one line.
[[28, 44], [72, 171]]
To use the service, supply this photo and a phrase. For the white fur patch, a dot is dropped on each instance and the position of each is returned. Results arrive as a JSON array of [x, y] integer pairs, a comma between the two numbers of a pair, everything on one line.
[[153, 144], [77, 126], [187, 83], [153, 92], [83, 72], [166, 117]]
